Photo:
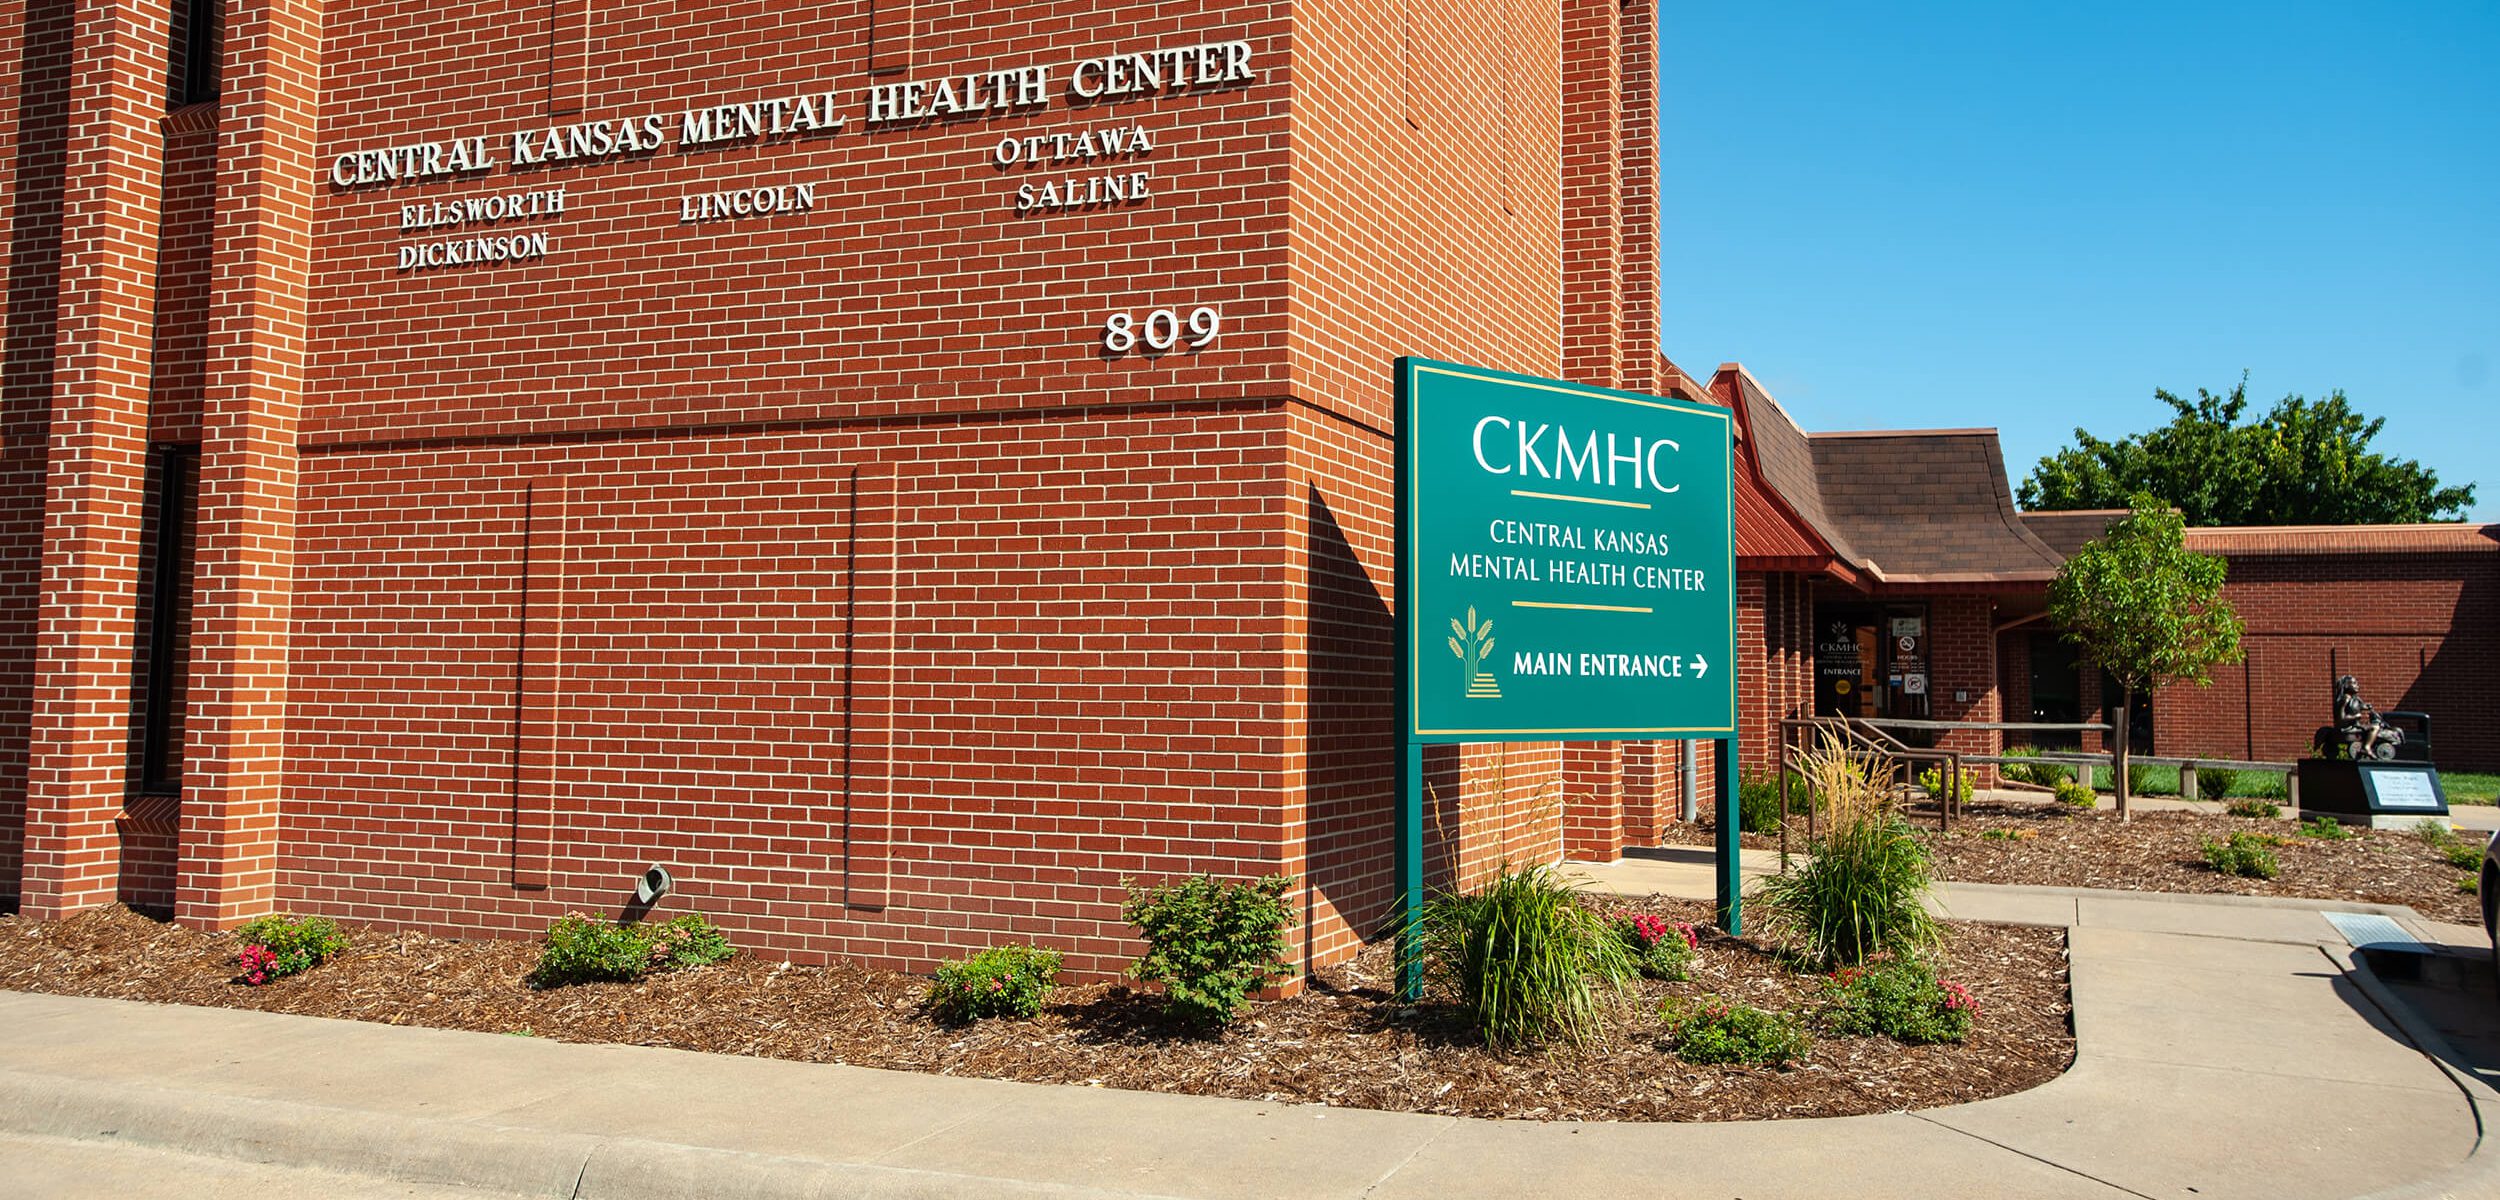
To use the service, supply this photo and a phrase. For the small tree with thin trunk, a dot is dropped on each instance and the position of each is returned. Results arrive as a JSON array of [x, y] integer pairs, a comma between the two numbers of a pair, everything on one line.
[[2145, 609]]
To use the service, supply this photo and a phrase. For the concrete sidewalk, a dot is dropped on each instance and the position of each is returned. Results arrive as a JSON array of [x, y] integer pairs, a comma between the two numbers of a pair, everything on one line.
[[2224, 1050]]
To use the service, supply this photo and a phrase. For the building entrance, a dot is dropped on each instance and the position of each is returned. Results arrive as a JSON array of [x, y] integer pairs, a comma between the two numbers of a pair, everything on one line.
[[1871, 660], [2056, 692]]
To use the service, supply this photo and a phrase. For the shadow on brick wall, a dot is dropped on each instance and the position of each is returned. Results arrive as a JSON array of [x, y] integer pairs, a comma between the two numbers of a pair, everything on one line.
[[26, 350]]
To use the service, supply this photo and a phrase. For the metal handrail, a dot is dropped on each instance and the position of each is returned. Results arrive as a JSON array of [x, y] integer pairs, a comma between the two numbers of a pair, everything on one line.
[[1859, 738]]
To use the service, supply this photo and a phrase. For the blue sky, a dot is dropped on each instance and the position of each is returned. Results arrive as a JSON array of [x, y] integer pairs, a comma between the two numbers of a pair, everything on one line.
[[2030, 215]]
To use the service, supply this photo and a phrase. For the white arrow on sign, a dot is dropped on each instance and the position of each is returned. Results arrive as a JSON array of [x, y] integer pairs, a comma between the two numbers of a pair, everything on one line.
[[1701, 666]]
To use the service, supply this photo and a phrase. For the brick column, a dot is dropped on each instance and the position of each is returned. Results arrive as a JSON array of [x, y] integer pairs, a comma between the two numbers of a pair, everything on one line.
[[1641, 296], [1593, 800], [233, 762], [96, 465], [1592, 192]]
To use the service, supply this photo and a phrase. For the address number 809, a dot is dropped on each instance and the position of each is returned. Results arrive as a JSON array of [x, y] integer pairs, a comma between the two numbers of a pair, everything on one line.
[[1163, 329]]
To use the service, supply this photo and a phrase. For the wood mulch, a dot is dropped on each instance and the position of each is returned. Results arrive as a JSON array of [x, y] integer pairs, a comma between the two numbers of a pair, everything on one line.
[[1341, 1042], [2162, 851]]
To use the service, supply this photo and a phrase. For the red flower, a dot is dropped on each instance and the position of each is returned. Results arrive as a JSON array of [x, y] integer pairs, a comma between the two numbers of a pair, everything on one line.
[[256, 962]]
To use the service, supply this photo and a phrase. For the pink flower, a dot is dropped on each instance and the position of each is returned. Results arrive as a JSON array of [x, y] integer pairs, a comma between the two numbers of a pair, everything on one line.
[[1692, 939], [1958, 998], [1649, 929], [256, 962]]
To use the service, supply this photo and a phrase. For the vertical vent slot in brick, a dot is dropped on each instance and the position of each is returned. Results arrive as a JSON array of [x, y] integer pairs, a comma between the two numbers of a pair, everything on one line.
[[867, 702], [568, 48], [536, 691], [889, 36]]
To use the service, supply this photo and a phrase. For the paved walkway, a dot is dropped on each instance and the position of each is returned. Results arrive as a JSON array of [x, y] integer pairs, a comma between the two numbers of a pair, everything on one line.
[[2225, 1049]]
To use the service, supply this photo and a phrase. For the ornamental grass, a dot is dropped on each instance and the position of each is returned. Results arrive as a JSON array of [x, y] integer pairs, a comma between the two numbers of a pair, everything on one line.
[[1863, 892]]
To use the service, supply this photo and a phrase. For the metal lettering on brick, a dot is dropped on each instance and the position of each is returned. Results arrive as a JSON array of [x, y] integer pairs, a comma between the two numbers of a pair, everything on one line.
[[1566, 560]]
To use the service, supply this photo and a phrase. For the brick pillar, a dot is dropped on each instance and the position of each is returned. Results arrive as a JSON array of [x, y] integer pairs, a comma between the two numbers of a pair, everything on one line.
[[235, 739], [96, 466], [1593, 800], [1592, 196], [1641, 348], [34, 131], [1649, 795], [1755, 725]]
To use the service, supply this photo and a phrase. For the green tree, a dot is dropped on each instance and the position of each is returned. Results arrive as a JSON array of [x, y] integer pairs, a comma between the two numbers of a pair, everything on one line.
[[2145, 608], [2303, 463]]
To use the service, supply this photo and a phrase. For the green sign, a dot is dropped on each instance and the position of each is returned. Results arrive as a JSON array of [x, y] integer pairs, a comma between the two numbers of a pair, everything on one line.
[[1566, 562]]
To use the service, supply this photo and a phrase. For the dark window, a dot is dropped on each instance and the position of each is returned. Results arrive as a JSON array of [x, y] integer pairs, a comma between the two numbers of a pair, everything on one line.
[[198, 42], [161, 677]]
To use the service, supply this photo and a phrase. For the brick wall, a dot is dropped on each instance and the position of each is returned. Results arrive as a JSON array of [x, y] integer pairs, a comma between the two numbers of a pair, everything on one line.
[[2420, 630], [1963, 682], [826, 558], [1080, 690]]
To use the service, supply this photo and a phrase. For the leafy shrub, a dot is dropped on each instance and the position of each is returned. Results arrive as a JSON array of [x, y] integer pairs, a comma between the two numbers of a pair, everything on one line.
[[1862, 891], [274, 947], [1900, 998], [1758, 801], [1527, 963], [2326, 829], [2216, 782], [2003, 834], [2045, 774], [2253, 809], [582, 948], [2272, 787], [1660, 948], [1933, 780], [1712, 1030], [1209, 942], [2075, 795], [2469, 885], [687, 941], [2461, 854], [2245, 854], [1002, 981]]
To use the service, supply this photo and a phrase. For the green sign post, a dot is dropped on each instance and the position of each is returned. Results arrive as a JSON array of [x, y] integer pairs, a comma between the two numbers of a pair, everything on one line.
[[1566, 572]]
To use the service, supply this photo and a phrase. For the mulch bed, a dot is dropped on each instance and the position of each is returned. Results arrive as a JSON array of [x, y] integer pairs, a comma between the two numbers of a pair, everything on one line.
[[1341, 1042], [2162, 852]]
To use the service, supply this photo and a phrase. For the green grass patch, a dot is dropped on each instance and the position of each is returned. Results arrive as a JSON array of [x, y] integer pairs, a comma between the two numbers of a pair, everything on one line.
[[2153, 780], [2471, 787]]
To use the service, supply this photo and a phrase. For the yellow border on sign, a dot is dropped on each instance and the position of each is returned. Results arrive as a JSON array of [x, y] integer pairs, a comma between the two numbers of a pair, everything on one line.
[[1577, 499], [1726, 417]]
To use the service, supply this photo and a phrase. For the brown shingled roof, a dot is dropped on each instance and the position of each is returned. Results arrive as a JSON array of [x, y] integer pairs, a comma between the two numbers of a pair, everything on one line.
[[1929, 506], [2442, 538], [1781, 453], [1906, 507], [2066, 531]]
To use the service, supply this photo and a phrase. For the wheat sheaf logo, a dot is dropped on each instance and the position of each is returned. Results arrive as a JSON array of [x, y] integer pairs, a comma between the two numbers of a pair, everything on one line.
[[1473, 644]]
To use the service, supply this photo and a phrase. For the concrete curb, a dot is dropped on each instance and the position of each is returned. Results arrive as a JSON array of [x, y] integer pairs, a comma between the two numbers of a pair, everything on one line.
[[468, 1154], [2215, 899], [2479, 1174]]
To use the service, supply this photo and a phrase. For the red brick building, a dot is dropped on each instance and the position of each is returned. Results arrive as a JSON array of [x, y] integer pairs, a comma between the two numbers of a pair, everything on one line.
[[2412, 611], [904, 467], [1848, 543]]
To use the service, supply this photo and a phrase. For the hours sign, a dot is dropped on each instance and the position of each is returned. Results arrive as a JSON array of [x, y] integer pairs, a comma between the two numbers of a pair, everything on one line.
[[1566, 561]]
